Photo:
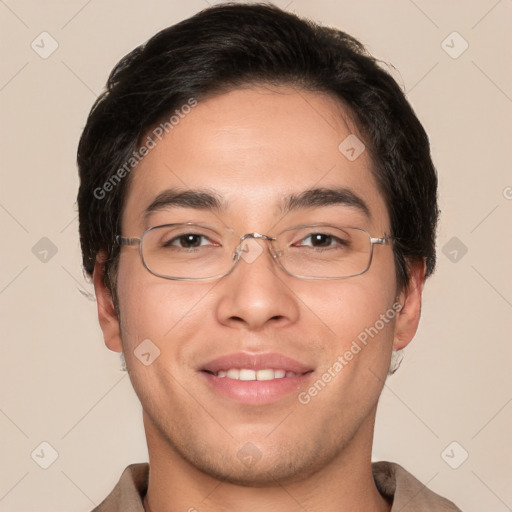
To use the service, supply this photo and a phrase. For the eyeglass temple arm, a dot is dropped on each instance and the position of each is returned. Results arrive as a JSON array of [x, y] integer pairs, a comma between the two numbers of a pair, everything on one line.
[[121, 240], [382, 241]]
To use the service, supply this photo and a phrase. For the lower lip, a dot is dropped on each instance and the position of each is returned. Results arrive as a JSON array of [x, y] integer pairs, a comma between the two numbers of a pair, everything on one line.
[[256, 392]]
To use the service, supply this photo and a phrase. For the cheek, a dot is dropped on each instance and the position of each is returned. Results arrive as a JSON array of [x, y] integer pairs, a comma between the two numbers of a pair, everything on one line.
[[356, 320], [166, 312], [160, 322], [345, 307]]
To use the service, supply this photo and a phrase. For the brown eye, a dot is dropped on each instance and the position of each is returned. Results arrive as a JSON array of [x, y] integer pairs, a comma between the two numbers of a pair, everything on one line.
[[187, 241], [320, 239], [323, 240]]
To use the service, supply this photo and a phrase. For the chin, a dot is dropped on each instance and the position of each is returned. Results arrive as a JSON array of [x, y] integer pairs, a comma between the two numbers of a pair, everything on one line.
[[256, 463]]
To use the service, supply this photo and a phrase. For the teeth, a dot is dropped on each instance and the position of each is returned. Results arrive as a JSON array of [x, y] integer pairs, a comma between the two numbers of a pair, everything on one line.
[[248, 374], [265, 374], [233, 374]]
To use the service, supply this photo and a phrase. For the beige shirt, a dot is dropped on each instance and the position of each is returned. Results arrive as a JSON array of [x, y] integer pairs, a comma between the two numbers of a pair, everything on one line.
[[392, 480]]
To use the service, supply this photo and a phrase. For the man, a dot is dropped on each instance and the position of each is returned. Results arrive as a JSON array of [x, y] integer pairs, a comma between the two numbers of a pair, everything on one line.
[[258, 212]]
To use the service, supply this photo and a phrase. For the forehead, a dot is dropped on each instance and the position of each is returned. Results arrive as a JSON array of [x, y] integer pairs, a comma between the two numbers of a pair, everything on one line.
[[254, 149]]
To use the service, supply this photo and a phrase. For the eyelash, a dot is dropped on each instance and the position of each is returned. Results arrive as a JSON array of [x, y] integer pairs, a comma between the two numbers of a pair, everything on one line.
[[299, 243]]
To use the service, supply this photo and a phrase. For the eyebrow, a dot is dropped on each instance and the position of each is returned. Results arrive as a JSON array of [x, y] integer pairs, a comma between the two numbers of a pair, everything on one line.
[[205, 199], [196, 199], [315, 197]]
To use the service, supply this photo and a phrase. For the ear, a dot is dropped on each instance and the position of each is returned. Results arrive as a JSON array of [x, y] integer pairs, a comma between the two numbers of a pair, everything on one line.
[[107, 316], [410, 298]]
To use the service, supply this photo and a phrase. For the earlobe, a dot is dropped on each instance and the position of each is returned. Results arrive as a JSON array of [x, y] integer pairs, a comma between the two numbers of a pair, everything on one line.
[[410, 299], [107, 315]]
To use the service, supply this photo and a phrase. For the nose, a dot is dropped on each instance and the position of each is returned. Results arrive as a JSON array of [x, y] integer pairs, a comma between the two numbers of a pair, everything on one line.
[[256, 293]]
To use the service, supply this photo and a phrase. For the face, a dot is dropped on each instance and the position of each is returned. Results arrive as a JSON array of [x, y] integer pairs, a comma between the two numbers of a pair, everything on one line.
[[253, 148]]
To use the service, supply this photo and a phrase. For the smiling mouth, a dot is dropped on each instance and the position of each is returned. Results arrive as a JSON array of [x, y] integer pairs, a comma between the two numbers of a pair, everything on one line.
[[247, 374], [256, 379]]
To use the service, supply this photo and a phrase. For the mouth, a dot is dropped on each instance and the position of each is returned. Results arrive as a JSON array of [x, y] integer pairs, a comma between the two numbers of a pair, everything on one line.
[[249, 374], [255, 379]]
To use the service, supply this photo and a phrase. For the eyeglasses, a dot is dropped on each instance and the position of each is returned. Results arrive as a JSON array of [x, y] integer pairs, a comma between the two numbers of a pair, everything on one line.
[[195, 252]]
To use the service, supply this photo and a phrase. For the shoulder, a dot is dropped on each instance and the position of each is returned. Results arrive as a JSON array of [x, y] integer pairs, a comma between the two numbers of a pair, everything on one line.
[[408, 493], [129, 492]]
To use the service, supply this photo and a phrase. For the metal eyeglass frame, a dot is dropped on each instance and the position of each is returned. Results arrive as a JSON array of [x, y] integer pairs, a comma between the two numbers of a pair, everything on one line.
[[132, 241]]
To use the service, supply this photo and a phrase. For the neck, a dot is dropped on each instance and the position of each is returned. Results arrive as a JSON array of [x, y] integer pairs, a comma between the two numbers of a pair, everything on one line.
[[344, 484]]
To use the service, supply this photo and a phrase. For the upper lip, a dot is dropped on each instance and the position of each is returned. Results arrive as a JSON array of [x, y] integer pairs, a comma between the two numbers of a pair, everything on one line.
[[254, 361]]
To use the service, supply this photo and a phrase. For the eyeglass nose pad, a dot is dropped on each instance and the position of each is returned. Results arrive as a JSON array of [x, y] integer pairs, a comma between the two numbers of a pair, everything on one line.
[[236, 255], [249, 249]]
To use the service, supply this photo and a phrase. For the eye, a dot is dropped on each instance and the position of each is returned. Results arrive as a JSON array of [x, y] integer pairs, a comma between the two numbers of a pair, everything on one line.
[[188, 241], [319, 240], [322, 240]]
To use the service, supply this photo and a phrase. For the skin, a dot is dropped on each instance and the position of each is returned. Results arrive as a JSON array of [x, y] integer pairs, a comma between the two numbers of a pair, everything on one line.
[[253, 146]]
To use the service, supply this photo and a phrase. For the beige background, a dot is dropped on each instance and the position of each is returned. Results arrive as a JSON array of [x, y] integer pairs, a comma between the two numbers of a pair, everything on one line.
[[59, 384]]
